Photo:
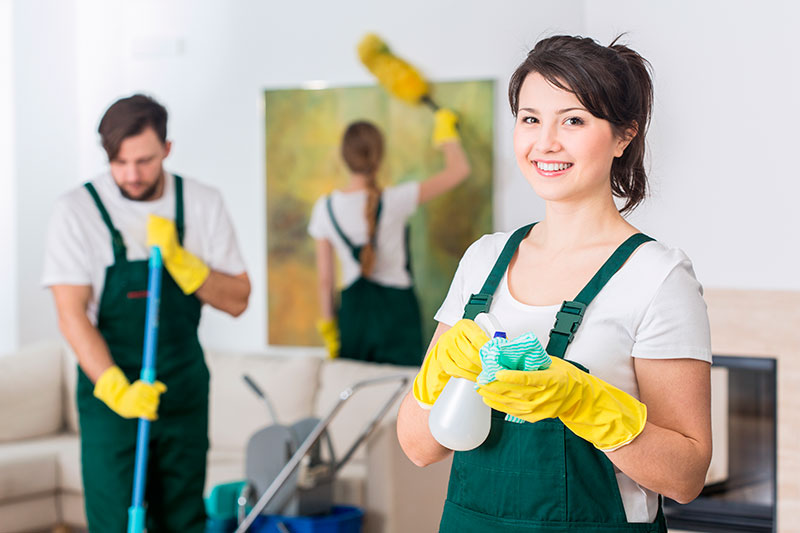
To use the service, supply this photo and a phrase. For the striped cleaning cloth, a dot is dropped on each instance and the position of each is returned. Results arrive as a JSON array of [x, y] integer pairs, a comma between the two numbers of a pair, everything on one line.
[[523, 353]]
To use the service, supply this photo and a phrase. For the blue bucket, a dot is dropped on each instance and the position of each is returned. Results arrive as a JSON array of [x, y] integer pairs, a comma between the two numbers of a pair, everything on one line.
[[341, 519]]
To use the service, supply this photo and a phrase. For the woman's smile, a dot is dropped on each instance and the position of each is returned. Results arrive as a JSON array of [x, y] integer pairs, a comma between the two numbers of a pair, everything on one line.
[[551, 169]]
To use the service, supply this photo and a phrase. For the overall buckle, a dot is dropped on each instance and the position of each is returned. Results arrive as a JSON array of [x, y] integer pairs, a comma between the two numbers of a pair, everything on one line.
[[568, 318], [477, 303]]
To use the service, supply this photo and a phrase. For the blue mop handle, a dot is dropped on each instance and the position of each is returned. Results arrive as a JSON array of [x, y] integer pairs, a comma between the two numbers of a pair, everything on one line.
[[136, 512]]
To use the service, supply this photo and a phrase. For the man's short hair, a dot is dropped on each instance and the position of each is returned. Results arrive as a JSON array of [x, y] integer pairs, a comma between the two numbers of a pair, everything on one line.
[[128, 117]]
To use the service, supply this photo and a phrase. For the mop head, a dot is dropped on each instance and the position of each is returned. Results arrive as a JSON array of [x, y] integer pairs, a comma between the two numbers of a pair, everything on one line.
[[523, 353], [395, 75]]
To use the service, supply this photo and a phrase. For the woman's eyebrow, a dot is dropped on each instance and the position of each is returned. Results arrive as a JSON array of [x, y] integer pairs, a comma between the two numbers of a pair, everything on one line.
[[568, 109], [559, 112]]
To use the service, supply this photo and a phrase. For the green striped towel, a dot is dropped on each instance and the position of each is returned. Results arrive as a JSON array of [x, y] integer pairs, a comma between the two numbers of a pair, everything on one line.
[[523, 353]]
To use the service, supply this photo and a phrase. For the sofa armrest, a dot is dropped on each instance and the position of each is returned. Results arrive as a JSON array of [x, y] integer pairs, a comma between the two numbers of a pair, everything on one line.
[[30, 392], [395, 486]]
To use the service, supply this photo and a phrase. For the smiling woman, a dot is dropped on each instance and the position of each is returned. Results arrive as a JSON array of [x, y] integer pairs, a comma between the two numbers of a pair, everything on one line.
[[622, 413], [556, 137], [613, 86]]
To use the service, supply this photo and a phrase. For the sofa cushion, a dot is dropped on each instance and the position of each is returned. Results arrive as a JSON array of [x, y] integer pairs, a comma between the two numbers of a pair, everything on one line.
[[45, 464], [33, 514], [25, 473], [236, 412], [30, 392], [355, 414], [68, 448], [69, 379], [71, 508]]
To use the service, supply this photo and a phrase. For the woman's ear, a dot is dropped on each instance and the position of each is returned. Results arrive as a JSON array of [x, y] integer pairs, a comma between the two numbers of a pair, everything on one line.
[[626, 138]]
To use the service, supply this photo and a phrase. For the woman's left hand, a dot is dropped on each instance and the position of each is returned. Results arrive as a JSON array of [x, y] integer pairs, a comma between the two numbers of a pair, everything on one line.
[[593, 409]]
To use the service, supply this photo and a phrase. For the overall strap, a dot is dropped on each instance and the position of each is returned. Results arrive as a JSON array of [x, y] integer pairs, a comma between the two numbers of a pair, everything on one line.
[[407, 241], [355, 250], [118, 244], [570, 315], [179, 225], [482, 301]]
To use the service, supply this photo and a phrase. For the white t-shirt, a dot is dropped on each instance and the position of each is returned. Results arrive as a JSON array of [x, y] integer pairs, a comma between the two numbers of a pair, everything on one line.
[[78, 246], [652, 308], [398, 203]]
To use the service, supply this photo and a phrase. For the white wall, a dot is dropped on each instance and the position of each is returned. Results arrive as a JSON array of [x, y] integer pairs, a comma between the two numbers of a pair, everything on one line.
[[8, 230], [724, 183], [209, 62], [46, 148], [725, 137]]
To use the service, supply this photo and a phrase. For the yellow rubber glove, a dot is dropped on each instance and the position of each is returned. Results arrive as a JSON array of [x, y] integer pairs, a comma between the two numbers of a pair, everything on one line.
[[593, 409], [456, 354], [137, 400], [329, 331], [188, 271], [444, 127]]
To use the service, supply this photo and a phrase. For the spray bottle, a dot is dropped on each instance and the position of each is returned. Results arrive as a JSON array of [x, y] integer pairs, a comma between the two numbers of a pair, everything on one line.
[[459, 420]]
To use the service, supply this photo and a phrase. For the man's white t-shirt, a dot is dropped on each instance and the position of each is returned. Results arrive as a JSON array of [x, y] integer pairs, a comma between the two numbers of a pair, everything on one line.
[[398, 203], [78, 246], [652, 308]]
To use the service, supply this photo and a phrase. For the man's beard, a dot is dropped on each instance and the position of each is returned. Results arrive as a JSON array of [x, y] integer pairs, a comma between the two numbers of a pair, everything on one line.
[[148, 193]]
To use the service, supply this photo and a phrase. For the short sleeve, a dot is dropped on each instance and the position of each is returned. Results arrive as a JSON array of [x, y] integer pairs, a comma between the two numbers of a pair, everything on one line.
[[406, 198], [675, 325], [67, 256], [452, 309], [317, 226], [224, 254]]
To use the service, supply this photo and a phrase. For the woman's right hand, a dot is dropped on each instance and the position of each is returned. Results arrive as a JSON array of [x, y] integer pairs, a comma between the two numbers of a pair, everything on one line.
[[455, 354], [444, 127]]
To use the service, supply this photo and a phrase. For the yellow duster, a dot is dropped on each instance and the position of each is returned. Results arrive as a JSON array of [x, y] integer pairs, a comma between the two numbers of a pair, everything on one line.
[[398, 77]]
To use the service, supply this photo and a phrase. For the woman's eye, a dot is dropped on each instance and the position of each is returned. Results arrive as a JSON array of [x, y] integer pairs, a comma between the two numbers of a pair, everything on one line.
[[529, 120], [574, 121]]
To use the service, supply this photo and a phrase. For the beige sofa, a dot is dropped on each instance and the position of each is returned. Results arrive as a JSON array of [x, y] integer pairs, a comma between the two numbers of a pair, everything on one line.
[[40, 482]]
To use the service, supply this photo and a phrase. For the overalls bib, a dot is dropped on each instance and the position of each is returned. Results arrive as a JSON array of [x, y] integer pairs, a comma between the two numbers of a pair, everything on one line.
[[179, 438], [539, 477], [378, 323]]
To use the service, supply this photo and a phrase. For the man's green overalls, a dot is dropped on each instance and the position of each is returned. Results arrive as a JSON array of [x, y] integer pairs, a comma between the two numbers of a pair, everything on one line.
[[179, 438], [540, 477], [378, 323]]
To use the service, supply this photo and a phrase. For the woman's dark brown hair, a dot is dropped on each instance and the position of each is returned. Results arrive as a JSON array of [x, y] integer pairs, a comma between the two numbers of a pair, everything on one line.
[[128, 117], [362, 150], [613, 83]]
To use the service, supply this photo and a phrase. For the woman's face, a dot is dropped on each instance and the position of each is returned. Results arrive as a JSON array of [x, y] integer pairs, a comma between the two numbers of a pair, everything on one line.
[[564, 151]]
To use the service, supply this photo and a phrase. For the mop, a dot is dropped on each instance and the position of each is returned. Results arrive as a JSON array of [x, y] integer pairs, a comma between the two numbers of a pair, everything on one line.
[[136, 512]]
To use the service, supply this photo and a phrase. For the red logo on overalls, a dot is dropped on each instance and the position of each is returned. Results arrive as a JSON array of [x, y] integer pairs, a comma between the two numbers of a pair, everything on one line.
[[137, 294]]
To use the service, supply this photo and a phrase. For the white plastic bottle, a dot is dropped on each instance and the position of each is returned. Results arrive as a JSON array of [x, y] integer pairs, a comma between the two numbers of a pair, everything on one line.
[[459, 420]]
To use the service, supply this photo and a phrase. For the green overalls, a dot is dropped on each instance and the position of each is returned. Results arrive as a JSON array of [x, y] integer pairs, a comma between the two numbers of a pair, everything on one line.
[[539, 477], [377, 323], [179, 438]]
